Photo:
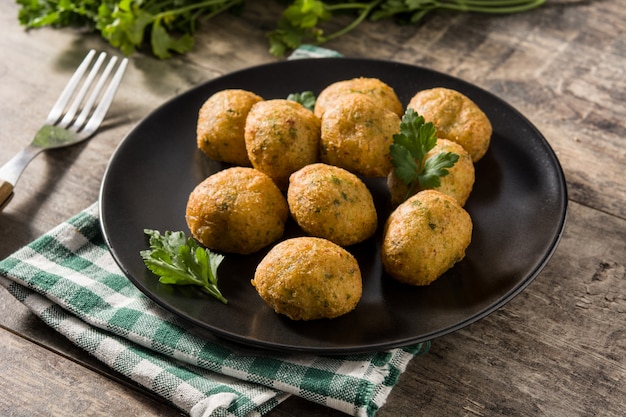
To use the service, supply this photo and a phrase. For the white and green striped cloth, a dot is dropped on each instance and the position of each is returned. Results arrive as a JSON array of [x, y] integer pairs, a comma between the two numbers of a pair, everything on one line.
[[69, 279]]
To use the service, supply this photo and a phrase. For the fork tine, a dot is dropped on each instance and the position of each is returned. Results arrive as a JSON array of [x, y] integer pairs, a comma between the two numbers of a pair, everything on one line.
[[66, 94], [102, 108], [88, 106], [84, 88]]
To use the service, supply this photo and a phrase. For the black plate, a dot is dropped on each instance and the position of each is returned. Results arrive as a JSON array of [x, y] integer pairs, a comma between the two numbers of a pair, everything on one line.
[[518, 207]]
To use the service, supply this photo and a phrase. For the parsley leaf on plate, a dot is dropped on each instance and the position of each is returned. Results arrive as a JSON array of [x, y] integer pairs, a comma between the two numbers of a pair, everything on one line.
[[306, 98], [179, 260], [409, 150]]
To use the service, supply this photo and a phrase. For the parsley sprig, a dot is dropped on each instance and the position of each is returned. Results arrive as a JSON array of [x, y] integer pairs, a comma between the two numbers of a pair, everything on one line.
[[306, 98], [409, 150], [302, 22], [181, 261]]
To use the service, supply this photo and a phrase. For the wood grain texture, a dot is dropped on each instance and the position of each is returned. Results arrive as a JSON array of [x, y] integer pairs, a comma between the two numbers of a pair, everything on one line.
[[557, 349], [42, 383]]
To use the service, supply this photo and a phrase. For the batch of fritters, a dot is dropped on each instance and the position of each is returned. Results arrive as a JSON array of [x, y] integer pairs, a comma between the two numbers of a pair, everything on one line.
[[289, 161]]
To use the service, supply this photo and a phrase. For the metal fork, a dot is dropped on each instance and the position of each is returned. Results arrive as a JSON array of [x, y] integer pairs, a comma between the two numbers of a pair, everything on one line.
[[75, 116]]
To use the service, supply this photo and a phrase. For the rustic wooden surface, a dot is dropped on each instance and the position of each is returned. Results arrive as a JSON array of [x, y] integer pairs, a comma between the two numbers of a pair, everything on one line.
[[558, 349]]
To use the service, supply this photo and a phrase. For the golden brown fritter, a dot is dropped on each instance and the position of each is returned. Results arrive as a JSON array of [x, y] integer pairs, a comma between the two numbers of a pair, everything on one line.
[[458, 183], [281, 137], [221, 123], [309, 278], [374, 88], [237, 210], [332, 203], [424, 237], [456, 118], [356, 134]]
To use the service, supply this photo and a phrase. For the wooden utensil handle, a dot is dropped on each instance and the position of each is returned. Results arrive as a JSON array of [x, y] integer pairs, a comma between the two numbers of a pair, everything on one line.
[[6, 193]]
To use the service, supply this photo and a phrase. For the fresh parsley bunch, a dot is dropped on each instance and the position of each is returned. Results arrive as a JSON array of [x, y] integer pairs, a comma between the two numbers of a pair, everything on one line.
[[409, 150], [170, 25], [181, 261]]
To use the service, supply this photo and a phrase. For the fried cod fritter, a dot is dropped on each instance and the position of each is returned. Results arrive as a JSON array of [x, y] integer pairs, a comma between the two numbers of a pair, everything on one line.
[[281, 137], [458, 183], [424, 237], [237, 210], [374, 88], [355, 135], [332, 203], [456, 117], [309, 278], [221, 123]]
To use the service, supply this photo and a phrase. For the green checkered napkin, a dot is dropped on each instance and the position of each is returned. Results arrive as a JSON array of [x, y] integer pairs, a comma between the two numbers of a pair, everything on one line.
[[69, 279]]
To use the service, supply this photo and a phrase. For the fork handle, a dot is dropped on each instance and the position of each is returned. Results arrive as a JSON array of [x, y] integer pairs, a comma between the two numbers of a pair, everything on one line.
[[10, 172], [6, 193]]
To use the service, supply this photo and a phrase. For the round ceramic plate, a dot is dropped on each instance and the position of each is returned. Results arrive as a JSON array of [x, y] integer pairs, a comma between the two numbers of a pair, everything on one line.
[[518, 207]]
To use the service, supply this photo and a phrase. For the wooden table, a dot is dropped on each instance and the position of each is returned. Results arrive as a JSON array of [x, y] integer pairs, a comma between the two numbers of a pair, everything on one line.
[[558, 349]]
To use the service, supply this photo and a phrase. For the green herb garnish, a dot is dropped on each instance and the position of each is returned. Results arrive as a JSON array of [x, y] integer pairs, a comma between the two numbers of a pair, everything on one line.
[[306, 98], [181, 261], [408, 154]]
